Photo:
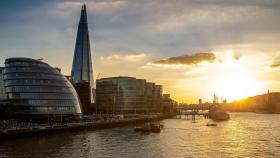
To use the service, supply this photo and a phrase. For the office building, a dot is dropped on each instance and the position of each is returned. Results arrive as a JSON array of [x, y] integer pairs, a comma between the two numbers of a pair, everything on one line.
[[158, 93], [127, 94], [36, 89], [3, 95], [82, 74], [167, 104]]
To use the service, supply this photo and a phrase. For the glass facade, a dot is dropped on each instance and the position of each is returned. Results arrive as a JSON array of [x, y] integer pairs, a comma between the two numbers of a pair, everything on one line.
[[3, 95], [34, 87], [82, 64], [127, 93]]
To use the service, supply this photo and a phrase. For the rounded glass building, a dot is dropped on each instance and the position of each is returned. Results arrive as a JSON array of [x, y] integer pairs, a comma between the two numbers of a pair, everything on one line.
[[35, 88]]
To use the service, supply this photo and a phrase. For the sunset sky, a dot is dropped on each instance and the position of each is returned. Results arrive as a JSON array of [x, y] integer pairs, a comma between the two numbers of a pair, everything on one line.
[[193, 48]]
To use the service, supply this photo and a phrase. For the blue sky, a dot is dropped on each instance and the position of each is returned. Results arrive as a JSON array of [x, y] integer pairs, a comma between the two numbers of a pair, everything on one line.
[[139, 32]]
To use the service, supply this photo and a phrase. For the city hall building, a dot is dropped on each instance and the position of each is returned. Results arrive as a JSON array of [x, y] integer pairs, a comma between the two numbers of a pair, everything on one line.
[[32, 88]]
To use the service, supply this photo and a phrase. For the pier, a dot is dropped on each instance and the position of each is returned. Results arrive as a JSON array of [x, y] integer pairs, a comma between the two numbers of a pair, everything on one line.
[[192, 111]]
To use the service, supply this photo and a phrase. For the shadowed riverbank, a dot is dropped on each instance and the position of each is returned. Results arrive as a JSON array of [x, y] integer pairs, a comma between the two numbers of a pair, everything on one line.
[[18, 132]]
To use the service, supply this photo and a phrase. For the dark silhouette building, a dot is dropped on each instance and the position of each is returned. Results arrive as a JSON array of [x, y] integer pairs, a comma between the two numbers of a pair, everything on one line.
[[264, 103], [82, 74]]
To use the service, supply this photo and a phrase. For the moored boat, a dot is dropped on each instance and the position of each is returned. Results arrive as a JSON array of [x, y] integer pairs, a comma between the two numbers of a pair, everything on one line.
[[211, 124], [218, 114], [149, 127], [144, 128], [156, 128]]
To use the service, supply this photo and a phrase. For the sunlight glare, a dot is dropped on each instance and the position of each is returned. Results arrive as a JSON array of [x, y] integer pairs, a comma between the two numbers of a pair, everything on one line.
[[237, 87]]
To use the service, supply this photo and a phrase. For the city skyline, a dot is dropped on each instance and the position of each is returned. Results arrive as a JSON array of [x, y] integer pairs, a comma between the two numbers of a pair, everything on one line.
[[179, 45]]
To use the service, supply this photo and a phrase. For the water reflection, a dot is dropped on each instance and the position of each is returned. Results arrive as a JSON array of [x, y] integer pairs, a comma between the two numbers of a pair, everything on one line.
[[245, 135]]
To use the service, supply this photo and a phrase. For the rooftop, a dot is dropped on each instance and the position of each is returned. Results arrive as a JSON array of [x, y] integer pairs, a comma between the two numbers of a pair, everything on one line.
[[118, 77], [23, 59]]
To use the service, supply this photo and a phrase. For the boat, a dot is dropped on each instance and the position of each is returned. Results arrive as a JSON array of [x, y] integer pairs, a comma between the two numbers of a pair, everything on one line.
[[144, 128], [156, 128], [149, 127], [218, 114], [211, 124]]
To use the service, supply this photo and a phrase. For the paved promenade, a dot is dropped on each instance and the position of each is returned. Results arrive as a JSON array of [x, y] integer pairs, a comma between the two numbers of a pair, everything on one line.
[[15, 129]]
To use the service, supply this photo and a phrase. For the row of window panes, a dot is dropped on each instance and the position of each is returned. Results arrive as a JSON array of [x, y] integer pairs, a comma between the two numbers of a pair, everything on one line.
[[47, 108], [40, 96], [12, 64], [68, 102], [33, 75], [35, 82], [14, 89], [53, 102], [31, 69]]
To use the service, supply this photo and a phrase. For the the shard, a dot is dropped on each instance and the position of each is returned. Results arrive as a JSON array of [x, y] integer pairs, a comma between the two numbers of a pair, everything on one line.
[[82, 65]]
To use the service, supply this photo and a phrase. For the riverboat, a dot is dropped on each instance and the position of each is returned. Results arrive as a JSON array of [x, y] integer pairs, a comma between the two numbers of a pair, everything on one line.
[[149, 127]]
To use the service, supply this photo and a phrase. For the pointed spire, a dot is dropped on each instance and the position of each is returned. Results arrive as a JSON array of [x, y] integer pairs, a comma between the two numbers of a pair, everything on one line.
[[83, 17], [84, 7], [82, 64]]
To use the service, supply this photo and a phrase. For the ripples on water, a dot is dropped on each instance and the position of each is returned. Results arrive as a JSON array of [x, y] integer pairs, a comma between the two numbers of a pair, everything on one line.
[[245, 135]]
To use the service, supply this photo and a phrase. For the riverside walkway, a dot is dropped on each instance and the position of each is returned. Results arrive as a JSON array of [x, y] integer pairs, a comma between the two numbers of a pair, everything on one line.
[[28, 129]]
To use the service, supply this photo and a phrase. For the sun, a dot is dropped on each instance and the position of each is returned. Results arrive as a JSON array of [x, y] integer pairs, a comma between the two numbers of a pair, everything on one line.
[[236, 87]]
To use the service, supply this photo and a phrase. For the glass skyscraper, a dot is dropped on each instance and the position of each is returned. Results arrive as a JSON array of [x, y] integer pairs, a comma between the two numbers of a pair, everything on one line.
[[35, 88], [82, 74], [82, 64]]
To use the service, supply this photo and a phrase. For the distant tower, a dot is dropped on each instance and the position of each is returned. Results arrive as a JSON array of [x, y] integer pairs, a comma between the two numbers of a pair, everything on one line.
[[82, 74], [268, 98], [215, 99], [200, 101]]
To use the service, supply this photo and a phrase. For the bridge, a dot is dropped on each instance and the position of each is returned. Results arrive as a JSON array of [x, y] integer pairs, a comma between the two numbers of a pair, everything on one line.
[[193, 111], [195, 107]]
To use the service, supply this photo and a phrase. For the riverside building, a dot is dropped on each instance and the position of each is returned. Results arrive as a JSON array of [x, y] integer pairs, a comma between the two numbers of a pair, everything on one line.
[[128, 94], [3, 95], [34, 89]]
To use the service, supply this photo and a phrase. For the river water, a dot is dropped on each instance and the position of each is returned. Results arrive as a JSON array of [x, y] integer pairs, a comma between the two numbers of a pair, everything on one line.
[[245, 135]]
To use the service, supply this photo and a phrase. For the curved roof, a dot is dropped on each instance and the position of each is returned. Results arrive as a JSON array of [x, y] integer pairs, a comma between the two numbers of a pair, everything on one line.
[[23, 59], [34, 87]]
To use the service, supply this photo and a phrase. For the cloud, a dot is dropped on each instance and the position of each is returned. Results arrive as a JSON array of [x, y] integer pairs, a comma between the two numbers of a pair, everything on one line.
[[236, 56], [275, 65], [92, 6], [274, 62], [193, 59], [128, 57]]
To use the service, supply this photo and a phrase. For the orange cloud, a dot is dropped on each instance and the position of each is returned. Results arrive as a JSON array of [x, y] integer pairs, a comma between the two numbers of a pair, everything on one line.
[[128, 57], [275, 65], [193, 59]]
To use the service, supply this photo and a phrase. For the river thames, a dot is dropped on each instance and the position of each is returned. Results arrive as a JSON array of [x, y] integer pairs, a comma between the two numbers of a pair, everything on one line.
[[245, 135]]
